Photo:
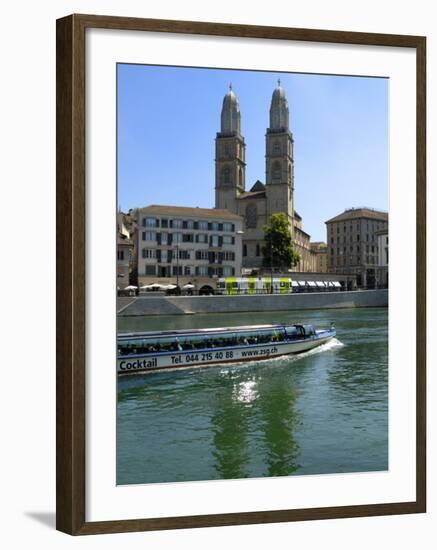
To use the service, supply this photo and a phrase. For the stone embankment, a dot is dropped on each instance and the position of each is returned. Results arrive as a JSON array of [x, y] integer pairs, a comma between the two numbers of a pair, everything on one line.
[[180, 305]]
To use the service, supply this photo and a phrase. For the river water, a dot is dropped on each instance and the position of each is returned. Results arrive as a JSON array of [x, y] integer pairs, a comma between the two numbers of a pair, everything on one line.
[[325, 411]]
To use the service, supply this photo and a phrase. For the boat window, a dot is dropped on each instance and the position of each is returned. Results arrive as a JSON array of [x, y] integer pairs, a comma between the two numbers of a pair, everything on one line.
[[309, 330], [179, 342], [295, 332]]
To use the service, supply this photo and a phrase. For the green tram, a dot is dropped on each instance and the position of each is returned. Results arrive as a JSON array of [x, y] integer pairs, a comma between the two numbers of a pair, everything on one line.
[[254, 285]]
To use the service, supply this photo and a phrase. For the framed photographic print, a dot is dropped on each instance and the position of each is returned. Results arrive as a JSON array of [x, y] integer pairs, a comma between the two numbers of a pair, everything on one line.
[[240, 274]]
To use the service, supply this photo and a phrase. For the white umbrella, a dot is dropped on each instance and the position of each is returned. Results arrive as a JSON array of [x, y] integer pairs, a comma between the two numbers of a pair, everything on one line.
[[169, 287], [130, 287], [188, 285], [146, 287]]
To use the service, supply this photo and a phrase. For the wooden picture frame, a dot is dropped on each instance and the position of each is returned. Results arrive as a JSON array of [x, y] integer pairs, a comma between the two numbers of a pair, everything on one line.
[[71, 254]]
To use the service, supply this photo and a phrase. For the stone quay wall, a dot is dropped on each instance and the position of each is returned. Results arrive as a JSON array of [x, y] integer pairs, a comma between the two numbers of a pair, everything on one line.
[[180, 305]]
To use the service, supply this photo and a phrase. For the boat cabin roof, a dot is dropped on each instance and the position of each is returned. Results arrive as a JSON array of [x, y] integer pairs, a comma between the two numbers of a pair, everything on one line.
[[202, 331]]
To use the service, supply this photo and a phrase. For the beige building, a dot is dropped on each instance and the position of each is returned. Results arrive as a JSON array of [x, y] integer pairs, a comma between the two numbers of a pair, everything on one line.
[[263, 199], [352, 239], [125, 248], [320, 256], [183, 245], [302, 246], [382, 269]]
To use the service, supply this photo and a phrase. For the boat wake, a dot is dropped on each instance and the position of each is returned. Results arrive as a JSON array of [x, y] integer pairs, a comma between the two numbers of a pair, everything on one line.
[[285, 359]]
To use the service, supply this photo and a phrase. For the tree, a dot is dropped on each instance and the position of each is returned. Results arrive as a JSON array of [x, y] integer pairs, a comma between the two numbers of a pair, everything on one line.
[[278, 251]]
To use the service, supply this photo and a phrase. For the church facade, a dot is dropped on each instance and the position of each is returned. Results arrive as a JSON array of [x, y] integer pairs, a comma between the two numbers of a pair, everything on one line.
[[263, 199]]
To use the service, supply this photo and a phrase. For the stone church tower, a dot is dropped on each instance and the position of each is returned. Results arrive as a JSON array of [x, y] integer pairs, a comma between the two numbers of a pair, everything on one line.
[[279, 158], [230, 151], [262, 200]]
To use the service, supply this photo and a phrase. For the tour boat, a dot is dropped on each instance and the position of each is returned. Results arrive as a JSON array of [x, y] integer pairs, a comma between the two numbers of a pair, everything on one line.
[[153, 351]]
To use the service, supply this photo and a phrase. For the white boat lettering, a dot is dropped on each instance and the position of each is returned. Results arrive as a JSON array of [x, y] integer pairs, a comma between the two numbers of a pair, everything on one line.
[[258, 352]]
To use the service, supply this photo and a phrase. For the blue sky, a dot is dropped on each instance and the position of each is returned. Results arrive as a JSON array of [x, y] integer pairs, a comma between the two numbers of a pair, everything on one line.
[[168, 118]]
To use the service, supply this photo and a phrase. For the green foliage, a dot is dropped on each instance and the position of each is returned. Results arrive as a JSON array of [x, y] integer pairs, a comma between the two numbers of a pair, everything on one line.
[[278, 251]]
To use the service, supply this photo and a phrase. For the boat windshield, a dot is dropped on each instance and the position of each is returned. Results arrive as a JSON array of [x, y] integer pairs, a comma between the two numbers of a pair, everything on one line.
[[309, 330], [167, 343], [295, 332]]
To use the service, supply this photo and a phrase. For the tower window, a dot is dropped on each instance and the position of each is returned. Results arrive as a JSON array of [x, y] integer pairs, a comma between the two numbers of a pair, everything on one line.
[[276, 172], [226, 175], [251, 216], [277, 148], [244, 249]]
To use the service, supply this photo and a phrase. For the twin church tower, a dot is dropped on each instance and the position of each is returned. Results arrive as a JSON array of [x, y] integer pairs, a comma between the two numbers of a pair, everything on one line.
[[276, 195]]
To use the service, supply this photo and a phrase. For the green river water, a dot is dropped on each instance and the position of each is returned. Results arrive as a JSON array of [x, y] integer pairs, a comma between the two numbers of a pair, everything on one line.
[[325, 411]]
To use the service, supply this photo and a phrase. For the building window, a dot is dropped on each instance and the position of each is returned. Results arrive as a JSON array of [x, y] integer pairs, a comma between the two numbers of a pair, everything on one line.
[[177, 224], [164, 223], [150, 269], [120, 254], [150, 222], [177, 237], [190, 224], [202, 255], [214, 240], [227, 239], [149, 236], [226, 175], [227, 227], [227, 271], [276, 148], [202, 238], [163, 256], [183, 254], [244, 249], [276, 172], [187, 270], [148, 253], [203, 226], [258, 250], [164, 239], [240, 177], [251, 216], [202, 270]]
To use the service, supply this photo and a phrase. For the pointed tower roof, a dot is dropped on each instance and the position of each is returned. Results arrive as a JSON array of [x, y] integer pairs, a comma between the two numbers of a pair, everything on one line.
[[230, 118], [279, 115]]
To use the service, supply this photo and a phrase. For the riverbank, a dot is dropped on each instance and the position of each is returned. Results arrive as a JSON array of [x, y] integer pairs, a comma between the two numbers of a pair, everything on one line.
[[185, 305]]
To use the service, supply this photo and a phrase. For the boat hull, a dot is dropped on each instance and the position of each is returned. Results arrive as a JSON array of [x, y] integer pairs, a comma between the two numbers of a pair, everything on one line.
[[140, 364]]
